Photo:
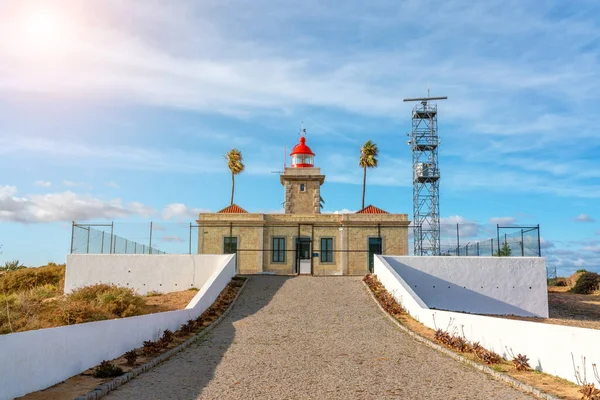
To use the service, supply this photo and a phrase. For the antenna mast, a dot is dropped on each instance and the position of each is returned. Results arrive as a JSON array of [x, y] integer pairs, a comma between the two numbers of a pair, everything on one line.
[[424, 142]]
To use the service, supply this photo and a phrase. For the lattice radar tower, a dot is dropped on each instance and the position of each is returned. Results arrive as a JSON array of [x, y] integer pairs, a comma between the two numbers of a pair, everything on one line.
[[424, 142]]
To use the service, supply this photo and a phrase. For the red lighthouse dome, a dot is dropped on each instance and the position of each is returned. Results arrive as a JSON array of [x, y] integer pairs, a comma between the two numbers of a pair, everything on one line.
[[302, 155]]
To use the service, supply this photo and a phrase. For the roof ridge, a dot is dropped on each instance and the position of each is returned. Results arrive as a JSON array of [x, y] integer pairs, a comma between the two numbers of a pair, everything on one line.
[[371, 209], [232, 209]]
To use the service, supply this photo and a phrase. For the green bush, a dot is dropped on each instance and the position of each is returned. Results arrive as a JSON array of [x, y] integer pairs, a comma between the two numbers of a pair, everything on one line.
[[115, 300], [587, 283], [29, 278], [107, 370]]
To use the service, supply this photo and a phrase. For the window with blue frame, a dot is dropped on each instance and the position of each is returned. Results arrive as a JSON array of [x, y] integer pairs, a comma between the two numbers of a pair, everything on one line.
[[326, 250], [278, 252]]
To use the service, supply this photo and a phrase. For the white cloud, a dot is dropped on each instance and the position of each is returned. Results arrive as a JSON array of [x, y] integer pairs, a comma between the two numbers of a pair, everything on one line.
[[584, 218], [43, 183], [82, 185], [113, 184], [172, 239], [502, 221], [342, 211], [466, 228], [63, 206], [592, 249], [179, 211]]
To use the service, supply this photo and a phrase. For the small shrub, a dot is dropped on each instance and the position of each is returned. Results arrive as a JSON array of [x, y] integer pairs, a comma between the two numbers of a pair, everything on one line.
[[442, 337], [113, 300], [44, 292], [166, 339], [561, 283], [589, 392], [581, 270], [459, 343], [153, 293], [484, 355], [187, 328], [587, 283], [521, 362], [71, 312], [12, 266], [107, 370], [150, 348], [131, 357]]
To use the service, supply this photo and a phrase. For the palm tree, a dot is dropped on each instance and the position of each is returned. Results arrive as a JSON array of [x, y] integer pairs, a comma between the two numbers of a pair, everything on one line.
[[236, 166], [368, 159]]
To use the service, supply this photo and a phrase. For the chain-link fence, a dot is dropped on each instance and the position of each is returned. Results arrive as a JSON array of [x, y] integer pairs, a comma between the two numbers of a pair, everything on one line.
[[100, 239], [505, 241], [551, 275], [462, 239]]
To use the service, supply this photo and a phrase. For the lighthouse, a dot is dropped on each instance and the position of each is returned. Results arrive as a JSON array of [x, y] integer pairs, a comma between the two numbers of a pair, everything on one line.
[[302, 181]]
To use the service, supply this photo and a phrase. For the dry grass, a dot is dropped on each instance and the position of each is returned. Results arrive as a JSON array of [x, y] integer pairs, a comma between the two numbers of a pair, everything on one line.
[[32, 298], [26, 279], [570, 309], [85, 382]]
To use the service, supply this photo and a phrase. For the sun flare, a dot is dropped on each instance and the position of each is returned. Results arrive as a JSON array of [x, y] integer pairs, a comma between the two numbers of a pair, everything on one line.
[[44, 28]]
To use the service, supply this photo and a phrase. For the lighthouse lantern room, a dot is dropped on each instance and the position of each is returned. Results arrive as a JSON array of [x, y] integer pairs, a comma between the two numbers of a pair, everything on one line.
[[302, 155]]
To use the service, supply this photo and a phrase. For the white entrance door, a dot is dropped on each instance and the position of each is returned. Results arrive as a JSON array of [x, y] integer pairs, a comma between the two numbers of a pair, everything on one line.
[[304, 256], [305, 267]]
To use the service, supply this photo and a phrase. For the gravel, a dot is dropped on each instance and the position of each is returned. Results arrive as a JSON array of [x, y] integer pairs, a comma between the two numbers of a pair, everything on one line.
[[311, 338]]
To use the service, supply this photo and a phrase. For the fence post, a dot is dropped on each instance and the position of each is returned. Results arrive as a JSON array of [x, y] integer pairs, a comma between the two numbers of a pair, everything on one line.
[[87, 249], [191, 238], [102, 245], [477, 249], [457, 239], [72, 234], [522, 245], [491, 247], [150, 245], [539, 242], [126, 245], [498, 234], [134, 247], [112, 228]]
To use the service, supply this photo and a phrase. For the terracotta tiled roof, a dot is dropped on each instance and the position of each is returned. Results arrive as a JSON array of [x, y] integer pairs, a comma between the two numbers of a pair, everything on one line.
[[233, 209], [370, 209]]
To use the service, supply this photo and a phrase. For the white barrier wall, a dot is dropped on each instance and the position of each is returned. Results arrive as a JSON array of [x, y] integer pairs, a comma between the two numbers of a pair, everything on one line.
[[34, 360], [480, 285], [143, 272], [550, 348]]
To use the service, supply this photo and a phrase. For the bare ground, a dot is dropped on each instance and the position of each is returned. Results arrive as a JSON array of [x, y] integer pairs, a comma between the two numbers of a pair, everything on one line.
[[580, 310]]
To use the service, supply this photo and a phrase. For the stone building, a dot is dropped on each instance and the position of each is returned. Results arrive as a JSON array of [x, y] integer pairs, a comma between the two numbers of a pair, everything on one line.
[[302, 240]]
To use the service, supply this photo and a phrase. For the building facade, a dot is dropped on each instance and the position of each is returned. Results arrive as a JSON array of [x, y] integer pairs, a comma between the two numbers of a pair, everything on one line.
[[302, 240]]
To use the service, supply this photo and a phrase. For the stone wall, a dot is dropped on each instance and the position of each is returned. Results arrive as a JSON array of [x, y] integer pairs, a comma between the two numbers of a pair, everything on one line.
[[255, 233]]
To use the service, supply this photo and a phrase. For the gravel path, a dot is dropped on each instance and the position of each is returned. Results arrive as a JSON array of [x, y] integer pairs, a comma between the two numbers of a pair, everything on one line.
[[310, 338]]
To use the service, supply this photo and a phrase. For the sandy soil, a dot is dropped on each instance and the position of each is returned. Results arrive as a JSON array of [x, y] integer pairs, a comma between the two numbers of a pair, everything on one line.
[[580, 310], [169, 301]]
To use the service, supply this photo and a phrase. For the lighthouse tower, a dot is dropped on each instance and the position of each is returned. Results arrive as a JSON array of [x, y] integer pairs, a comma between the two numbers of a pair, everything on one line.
[[302, 181]]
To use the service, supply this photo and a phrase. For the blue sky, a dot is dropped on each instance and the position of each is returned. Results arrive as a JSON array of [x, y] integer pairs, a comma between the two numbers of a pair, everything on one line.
[[122, 110]]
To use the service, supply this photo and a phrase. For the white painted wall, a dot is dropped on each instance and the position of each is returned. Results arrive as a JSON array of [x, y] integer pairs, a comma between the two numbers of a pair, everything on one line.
[[34, 360], [480, 285], [143, 272], [549, 347]]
